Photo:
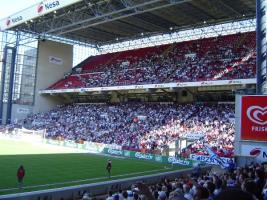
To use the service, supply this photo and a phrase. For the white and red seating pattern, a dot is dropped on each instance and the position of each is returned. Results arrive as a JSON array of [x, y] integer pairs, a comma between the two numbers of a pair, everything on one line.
[[221, 58]]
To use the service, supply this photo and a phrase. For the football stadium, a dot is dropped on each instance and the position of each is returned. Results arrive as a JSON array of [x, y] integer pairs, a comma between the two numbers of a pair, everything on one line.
[[134, 100]]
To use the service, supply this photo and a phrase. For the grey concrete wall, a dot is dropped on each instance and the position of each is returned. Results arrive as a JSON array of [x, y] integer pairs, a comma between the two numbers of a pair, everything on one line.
[[185, 99], [237, 124], [20, 112], [48, 72], [4, 112]]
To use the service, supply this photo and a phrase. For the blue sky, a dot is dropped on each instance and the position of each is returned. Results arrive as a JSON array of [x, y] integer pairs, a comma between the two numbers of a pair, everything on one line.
[[8, 7]]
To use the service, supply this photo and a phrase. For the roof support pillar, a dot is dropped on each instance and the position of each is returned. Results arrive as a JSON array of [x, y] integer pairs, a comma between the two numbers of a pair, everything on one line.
[[261, 18]]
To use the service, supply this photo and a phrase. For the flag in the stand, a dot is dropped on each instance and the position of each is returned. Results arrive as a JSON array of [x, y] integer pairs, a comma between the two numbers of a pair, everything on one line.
[[216, 157]]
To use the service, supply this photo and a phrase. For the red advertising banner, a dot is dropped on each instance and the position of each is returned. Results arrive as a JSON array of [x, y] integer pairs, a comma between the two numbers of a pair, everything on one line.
[[254, 118]]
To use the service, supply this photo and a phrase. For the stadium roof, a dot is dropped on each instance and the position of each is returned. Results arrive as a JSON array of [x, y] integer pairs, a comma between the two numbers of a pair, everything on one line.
[[109, 21]]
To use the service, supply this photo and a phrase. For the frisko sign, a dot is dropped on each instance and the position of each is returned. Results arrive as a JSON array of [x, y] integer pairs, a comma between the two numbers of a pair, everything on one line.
[[254, 118]]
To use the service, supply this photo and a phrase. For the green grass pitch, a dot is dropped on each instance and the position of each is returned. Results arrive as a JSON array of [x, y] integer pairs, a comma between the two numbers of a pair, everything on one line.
[[50, 166]]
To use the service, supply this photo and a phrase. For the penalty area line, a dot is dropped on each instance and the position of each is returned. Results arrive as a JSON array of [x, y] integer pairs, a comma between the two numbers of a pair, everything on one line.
[[83, 180]]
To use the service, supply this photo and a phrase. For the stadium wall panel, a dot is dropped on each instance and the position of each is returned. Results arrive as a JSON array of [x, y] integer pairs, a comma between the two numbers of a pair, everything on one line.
[[20, 111], [53, 62], [185, 96]]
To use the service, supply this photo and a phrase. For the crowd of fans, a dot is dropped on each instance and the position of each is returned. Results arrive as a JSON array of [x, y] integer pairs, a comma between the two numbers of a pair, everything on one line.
[[236, 183], [220, 58], [138, 126]]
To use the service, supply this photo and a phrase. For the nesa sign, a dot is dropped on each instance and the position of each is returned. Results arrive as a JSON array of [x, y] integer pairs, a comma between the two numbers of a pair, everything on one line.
[[13, 20], [254, 118], [258, 152], [51, 5], [46, 6]]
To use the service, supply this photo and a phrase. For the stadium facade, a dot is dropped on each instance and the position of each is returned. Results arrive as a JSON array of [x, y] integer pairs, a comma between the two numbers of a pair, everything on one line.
[[37, 51], [44, 21]]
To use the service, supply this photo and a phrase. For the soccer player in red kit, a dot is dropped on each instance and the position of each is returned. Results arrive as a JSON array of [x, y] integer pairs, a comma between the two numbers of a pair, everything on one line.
[[20, 176]]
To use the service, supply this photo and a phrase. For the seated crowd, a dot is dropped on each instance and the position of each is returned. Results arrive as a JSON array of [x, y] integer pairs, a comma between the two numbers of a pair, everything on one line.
[[141, 126], [241, 183], [221, 58]]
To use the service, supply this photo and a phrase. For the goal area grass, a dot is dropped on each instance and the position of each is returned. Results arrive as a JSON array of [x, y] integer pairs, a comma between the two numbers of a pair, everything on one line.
[[49, 166]]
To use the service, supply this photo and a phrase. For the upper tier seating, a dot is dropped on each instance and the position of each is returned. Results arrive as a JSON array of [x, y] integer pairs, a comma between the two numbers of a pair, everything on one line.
[[221, 58]]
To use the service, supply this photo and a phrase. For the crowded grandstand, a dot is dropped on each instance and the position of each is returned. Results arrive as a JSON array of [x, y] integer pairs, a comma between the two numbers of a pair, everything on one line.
[[141, 127], [221, 58]]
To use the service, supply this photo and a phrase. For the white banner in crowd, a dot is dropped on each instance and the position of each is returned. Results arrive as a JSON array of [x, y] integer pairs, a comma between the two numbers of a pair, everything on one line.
[[155, 86], [209, 159], [33, 12], [194, 136]]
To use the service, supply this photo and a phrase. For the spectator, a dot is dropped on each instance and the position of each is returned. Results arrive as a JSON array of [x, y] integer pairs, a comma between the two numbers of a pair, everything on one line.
[[187, 194], [250, 187], [110, 197], [233, 194]]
